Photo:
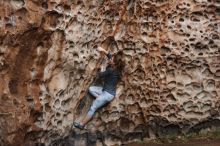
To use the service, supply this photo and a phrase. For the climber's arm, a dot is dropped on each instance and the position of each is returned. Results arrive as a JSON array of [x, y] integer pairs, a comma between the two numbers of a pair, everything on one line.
[[109, 55], [103, 74]]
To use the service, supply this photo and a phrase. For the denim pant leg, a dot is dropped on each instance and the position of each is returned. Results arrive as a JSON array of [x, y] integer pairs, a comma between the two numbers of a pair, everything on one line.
[[104, 98], [95, 91]]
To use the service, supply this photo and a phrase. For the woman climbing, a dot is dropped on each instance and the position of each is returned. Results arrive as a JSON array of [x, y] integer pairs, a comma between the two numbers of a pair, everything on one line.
[[105, 94]]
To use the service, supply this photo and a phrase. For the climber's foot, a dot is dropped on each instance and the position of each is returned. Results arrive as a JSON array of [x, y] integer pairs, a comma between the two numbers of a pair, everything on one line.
[[78, 125]]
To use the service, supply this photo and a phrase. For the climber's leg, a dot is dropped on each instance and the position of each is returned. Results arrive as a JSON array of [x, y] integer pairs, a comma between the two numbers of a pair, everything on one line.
[[104, 98], [95, 91]]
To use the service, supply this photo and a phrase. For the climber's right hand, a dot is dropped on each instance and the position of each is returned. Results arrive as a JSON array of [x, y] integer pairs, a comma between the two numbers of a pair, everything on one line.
[[100, 49]]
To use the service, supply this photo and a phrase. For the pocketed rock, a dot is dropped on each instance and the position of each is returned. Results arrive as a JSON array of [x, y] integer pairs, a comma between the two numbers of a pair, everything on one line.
[[48, 59]]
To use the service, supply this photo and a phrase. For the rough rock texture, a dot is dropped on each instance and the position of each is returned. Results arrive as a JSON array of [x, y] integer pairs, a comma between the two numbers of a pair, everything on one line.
[[48, 61]]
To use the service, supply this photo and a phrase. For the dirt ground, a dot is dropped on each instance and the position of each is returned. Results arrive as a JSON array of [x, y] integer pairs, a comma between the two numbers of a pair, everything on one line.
[[188, 143]]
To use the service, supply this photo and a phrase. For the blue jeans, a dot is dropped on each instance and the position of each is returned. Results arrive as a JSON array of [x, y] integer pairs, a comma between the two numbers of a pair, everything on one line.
[[102, 97]]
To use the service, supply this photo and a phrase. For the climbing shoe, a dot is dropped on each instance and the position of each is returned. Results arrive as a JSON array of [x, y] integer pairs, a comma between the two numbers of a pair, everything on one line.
[[77, 125]]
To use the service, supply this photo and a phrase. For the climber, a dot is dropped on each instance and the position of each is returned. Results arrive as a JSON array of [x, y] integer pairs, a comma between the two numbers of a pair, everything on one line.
[[104, 94]]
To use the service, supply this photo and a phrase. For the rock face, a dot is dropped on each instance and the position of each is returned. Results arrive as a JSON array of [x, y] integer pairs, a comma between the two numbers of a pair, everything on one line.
[[48, 59]]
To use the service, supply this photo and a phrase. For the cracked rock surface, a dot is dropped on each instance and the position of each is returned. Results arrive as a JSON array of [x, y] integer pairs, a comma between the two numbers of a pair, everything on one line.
[[48, 59]]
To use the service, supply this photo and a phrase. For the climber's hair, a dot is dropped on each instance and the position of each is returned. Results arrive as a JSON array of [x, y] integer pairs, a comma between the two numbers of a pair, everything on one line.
[[117, 57], [119, 62]]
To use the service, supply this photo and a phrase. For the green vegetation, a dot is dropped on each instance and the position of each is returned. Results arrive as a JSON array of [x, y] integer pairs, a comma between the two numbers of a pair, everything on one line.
[[216, 134], [213, 134], [210, 134], [204, 134]]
